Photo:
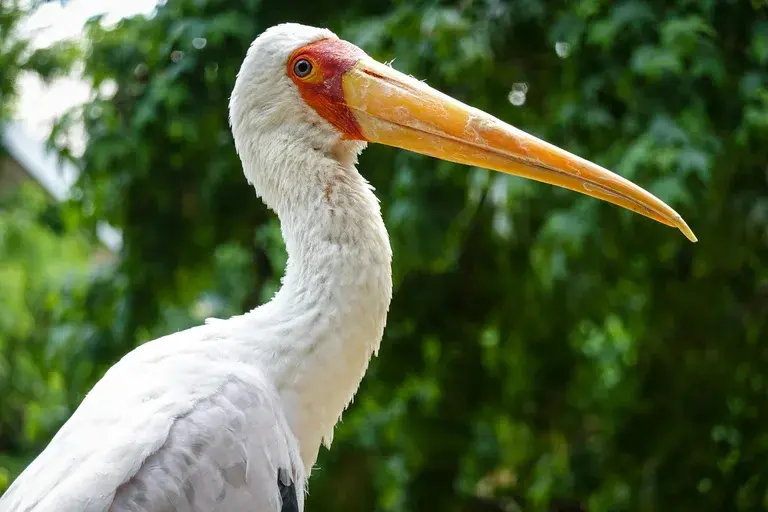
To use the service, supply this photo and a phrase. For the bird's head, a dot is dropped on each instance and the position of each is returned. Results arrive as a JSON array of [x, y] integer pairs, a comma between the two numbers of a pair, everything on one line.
[[303, 92]]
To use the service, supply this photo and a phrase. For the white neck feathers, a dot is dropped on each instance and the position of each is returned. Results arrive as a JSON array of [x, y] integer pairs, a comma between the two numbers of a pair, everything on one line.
[[316, 337]]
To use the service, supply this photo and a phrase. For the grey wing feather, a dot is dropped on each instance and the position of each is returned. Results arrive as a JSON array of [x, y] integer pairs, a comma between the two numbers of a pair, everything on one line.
[[210, 463], [167, 432]]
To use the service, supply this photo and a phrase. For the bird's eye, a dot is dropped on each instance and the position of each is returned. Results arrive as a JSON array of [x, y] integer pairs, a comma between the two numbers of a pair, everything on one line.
[[302, 68]]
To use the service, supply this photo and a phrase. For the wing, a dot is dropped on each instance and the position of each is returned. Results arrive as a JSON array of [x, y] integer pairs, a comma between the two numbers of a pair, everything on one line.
[[186, 432]]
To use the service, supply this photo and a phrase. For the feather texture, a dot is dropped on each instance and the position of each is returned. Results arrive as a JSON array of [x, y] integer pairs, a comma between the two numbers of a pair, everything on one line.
[[230, 415], [288, 493], [168, 429]]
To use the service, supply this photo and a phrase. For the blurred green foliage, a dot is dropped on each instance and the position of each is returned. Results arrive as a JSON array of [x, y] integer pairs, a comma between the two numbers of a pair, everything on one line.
[[544, 351], [18, 56], [44, 260], [43, 269]]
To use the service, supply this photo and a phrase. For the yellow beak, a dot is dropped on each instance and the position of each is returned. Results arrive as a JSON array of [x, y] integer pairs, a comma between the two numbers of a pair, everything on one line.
[[394, 109]]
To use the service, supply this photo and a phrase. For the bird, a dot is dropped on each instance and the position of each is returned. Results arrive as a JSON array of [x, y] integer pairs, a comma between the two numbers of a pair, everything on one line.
[[230, 415]]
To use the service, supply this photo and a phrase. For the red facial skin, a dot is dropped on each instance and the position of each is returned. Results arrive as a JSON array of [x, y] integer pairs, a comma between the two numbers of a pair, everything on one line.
[[322, 88]]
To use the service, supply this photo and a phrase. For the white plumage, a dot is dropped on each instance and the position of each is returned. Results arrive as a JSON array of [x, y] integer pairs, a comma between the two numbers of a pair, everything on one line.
[[229, 416], [204, 419]]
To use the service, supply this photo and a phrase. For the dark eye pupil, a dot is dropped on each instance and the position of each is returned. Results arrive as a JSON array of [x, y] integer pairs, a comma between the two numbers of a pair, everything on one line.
[[302, 67]]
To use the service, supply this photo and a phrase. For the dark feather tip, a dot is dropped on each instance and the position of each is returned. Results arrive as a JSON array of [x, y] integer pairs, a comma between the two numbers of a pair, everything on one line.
[[287, 492]]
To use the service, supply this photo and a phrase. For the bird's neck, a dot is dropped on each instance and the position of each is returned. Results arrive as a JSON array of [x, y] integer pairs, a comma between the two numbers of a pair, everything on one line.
[[328, 318]]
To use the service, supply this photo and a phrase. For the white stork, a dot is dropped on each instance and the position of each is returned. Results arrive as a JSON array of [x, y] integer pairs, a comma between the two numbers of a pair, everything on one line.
[[230, 415]]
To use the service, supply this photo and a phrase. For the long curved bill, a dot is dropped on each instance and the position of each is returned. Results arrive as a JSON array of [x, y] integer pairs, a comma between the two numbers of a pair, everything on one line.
[[394, 109]]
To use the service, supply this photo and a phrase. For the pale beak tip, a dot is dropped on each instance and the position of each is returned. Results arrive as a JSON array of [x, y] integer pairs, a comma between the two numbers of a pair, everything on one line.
[[682, 226]]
